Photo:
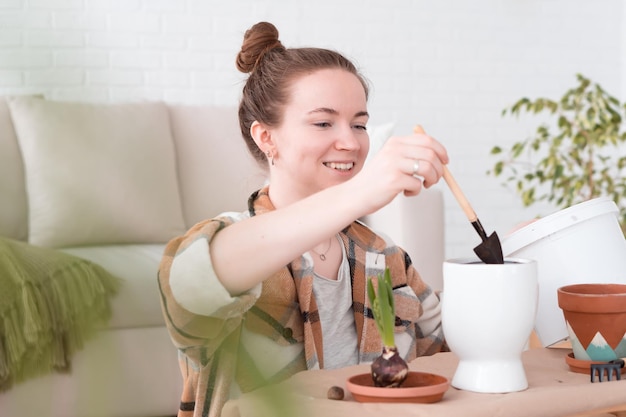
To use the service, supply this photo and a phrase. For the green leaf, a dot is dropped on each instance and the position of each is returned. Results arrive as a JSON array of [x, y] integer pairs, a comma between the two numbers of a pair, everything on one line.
[[517, 149], [383, 308], [539, 104], [497, 170], [389, 286], [375, 306], [558, 172]]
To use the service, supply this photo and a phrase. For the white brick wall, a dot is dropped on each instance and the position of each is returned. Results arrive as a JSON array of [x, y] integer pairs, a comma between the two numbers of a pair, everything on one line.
[[451, 65]]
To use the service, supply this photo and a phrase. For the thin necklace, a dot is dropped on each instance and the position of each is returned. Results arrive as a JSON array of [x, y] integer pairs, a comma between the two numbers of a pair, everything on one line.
[[322, 256]]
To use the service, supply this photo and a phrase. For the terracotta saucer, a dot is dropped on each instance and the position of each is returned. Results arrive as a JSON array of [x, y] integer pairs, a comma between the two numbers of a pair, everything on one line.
[[419, 387], [581, 366]]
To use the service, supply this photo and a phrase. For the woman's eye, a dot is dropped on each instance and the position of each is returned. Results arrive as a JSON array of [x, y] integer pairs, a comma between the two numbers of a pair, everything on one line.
[[322, 124], [362, 127]]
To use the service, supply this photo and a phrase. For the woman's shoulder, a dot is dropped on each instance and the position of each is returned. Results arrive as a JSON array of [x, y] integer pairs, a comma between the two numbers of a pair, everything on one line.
[[368, 237], [233, 216], [204, 229], [221, 220]]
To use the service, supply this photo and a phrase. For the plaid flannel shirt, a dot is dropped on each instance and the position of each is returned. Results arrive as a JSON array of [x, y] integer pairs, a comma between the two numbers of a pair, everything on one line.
[[218, 335]]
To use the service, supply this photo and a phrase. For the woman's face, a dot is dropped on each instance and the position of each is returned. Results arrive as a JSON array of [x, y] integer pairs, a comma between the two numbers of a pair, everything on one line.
[[322, 139]]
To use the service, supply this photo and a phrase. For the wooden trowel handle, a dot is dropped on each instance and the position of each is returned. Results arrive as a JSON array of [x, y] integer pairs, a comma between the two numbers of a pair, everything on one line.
[[458, 194], [454, 187]]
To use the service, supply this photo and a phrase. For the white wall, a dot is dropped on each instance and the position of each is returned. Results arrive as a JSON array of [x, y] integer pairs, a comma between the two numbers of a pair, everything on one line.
[[451, 65]]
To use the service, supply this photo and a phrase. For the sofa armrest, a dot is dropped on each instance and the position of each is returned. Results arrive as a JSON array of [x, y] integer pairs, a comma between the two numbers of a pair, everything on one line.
[[416, 224]]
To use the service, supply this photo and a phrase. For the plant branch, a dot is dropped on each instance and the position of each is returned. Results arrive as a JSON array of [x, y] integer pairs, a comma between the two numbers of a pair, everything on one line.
[[570, 158]]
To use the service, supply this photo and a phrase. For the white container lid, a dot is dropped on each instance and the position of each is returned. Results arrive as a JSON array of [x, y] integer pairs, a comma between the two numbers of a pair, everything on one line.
[[556, 222]]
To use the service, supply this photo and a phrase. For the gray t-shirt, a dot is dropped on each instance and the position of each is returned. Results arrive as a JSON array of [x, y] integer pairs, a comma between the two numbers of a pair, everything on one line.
[[334, 303]]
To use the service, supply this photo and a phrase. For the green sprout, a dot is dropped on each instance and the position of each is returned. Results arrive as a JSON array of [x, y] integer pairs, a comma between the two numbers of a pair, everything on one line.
[[383, 307], [389, 369]]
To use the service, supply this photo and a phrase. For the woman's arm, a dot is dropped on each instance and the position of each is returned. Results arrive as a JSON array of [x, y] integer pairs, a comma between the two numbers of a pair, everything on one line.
[[248, 252]]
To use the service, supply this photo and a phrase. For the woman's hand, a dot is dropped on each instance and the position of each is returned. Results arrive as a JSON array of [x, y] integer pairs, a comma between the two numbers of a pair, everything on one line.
[[404, 164]]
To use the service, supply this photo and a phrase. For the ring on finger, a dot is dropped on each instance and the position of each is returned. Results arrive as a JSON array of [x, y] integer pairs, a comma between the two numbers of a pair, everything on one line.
[[415, 174], [416, 167]]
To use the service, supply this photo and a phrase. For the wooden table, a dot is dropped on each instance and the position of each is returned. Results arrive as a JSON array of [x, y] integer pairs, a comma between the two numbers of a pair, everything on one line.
[[553, 391]]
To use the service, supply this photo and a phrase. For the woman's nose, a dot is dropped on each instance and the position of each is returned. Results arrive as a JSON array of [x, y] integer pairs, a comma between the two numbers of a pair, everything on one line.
[[347, 139]]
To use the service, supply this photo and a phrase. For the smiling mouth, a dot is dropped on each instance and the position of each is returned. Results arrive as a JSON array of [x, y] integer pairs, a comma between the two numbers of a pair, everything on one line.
[[340, 166]]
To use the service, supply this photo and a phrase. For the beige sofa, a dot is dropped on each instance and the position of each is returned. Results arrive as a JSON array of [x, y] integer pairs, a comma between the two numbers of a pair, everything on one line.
[[112, 183]]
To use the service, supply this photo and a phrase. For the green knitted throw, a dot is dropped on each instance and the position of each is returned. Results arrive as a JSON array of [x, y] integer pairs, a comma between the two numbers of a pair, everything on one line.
[[50, 304]]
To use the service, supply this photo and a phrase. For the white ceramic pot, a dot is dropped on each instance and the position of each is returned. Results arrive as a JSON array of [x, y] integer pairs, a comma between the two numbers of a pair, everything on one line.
[[488, 313], [580, 244]]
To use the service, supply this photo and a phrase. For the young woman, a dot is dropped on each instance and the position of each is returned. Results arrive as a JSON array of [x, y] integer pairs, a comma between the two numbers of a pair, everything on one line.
[[254, 297]]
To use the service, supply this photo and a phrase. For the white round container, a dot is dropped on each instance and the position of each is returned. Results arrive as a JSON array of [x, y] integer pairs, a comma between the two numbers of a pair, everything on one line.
[[487, 314], [580, 244]]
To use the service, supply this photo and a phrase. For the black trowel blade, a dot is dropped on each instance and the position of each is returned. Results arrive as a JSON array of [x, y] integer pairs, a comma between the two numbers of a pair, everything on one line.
[[490, 250]]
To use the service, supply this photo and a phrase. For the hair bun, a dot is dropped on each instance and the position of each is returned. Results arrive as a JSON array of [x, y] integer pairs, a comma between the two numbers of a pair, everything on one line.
[[257, 41]]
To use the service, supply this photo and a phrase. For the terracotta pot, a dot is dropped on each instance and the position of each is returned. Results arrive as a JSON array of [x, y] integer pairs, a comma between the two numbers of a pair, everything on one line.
[[595, 316], [418, 387]]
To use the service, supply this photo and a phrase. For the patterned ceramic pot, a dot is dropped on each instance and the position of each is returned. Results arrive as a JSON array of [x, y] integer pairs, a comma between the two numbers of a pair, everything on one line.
[[595, 316]]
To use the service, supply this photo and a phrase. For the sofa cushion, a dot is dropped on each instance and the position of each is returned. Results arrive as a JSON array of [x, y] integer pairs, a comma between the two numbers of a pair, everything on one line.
[[208, 141], [98, 173], [13, 207], [137, 303]]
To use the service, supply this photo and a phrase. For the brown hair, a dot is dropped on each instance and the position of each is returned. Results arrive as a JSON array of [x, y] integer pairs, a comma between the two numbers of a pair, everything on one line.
[[272, 68]]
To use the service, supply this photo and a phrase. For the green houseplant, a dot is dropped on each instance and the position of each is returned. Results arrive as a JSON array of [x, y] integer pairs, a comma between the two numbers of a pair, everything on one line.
[[576, 156]]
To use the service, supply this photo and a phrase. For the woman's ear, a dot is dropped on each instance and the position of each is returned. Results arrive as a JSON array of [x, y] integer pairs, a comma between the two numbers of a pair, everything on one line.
[[262, 136]]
